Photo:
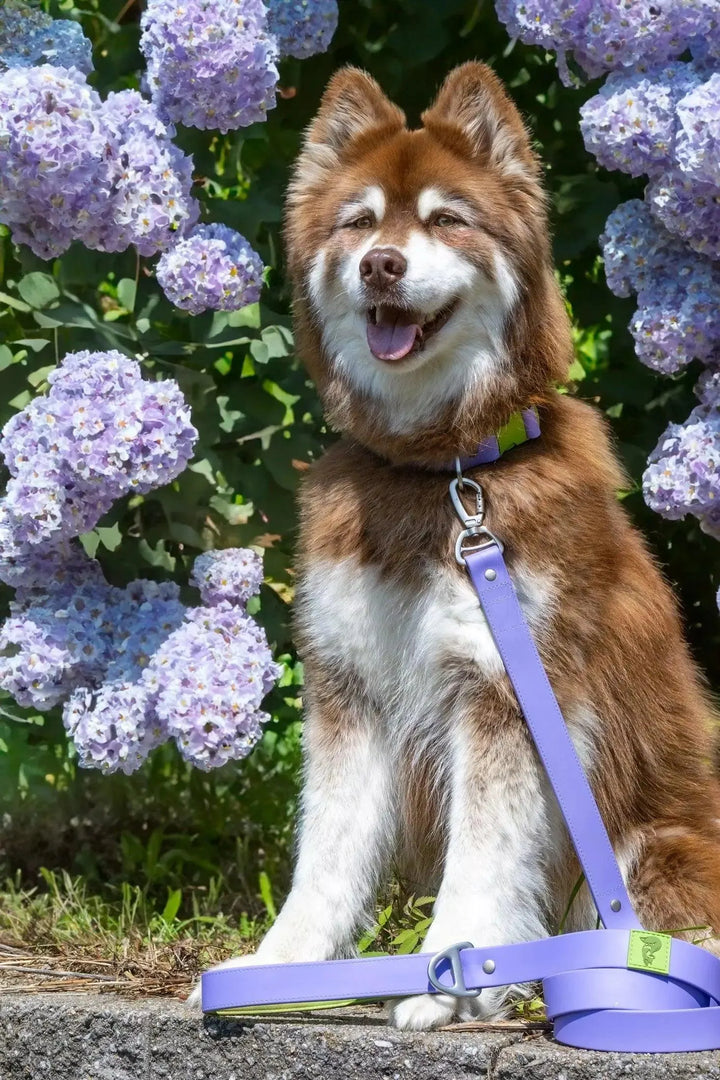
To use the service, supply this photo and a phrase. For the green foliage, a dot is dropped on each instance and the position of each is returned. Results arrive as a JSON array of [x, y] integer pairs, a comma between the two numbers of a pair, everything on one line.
[[170, 828]]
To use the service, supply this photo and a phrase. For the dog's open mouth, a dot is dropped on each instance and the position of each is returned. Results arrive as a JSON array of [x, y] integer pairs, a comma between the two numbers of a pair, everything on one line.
[[394, 333]]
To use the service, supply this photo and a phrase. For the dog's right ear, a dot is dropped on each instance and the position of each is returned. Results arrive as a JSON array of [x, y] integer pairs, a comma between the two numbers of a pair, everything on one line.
[[353, 105]]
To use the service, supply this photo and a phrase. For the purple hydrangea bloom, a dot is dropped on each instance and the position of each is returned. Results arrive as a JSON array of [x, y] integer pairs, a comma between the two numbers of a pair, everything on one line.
[[708, 387], [210, 63], [114, 728], [100, 432], [212, 268], [677, 321], [208, 680], [622, 33], [683, 474], [142, 192], [631, 124], [549, 23], [687, 209], [302, 27], [232, 574], [29, 37], [637, 250], [147, 613], [607, 35], [58, 638], [51, 141], [26, 566], [75, 168], [698, 144]]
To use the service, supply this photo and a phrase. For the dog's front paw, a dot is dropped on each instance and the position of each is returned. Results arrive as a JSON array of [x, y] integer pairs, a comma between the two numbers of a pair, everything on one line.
[[194, 1001], [427, 1011], [422, 1013]]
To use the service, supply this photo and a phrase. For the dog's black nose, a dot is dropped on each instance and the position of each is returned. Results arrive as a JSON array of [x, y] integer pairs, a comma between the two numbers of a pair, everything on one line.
[[382, 267]]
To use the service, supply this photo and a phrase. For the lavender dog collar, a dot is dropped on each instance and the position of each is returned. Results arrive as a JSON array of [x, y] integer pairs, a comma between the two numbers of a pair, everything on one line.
[[520, 428], [620, 988]]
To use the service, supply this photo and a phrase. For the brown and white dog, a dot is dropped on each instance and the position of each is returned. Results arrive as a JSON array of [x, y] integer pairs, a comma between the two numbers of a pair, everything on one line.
[[427, 313]]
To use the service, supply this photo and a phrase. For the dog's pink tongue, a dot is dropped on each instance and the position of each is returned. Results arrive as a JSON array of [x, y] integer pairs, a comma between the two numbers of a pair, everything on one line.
[[390, 338]]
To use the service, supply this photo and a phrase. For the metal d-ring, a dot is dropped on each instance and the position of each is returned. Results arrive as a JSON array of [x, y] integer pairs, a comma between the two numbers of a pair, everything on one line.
[[451, 954]]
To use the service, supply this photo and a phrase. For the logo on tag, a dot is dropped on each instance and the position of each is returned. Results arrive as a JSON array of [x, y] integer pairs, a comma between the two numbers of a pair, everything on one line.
[[649, 952]]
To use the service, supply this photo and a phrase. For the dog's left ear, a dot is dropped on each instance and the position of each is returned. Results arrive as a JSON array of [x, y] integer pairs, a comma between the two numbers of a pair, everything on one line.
[[473, 113]]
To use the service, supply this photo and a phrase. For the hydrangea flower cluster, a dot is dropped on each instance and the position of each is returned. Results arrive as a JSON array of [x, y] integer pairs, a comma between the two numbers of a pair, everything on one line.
[[302, 27], [214, 267], [29, 37], [632, 123], [75, 168], [135, 667], [210, 63], [607, 35], [209, 679], [660, 117], [683, 474], [196, 675], [100, 432], [678, 291]]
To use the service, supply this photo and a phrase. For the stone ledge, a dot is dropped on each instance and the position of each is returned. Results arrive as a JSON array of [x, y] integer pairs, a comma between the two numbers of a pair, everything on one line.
[[72, 1036]]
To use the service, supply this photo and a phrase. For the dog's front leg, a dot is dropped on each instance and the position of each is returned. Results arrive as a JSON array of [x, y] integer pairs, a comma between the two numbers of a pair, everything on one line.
[[501, 836], [347, 823], [346, 828]]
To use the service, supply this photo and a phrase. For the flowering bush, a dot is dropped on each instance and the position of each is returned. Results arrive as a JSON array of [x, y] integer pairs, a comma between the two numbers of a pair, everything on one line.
[[657, 118], [132, 672]]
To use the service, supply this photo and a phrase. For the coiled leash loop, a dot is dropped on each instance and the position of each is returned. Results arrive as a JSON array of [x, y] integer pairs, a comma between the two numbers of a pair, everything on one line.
[[620, 988]]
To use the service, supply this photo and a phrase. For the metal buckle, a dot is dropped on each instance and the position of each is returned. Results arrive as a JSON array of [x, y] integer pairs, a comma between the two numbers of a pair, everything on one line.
[[471, 534], [473, 523], [451, 954]]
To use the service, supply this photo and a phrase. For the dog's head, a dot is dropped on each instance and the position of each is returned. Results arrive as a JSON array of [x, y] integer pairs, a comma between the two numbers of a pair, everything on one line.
[[420, 259]]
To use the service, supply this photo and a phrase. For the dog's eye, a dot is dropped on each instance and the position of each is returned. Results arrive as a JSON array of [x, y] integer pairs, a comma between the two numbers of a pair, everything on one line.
[[364, 222], [444, 220]]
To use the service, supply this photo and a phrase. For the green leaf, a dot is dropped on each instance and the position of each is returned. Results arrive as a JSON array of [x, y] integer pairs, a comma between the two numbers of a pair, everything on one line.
[[260, 352], [126, 291], [204, 468], [111, 537], [11, 302], [37, 344], [36, 378], [90, 542], [6, 357], [409, 945], [38, 289], [267, 896], [172, 906]]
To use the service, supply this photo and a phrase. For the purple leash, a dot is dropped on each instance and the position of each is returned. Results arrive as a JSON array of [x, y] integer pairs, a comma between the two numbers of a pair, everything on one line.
[[620, 988]]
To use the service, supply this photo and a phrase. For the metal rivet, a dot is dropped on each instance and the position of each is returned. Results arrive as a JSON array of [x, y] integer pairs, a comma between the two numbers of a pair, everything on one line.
[[615, 905], [490, 575], [489, 965]]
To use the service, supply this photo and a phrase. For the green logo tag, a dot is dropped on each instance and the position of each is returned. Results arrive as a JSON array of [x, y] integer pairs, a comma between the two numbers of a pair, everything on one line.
[[649, 952]]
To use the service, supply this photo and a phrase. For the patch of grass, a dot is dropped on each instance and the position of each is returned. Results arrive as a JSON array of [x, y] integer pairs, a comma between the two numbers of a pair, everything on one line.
[[63, 937]]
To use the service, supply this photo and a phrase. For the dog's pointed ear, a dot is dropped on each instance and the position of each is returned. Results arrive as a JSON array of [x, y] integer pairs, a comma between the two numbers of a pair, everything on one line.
[[353, 105], [473, 104]]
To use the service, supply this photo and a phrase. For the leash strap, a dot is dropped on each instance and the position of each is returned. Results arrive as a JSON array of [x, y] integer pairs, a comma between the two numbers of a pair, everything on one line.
[[621, 988], [500, 604]]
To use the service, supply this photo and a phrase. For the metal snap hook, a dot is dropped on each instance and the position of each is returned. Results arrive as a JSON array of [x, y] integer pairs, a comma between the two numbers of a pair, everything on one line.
[[469, 520]]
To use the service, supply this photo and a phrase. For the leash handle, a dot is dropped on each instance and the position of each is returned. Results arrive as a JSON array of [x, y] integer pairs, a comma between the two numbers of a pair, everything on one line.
[[514, 642]]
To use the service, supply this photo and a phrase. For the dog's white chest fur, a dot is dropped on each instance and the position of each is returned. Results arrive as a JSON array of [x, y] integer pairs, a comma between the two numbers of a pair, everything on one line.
[[400, 638]]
